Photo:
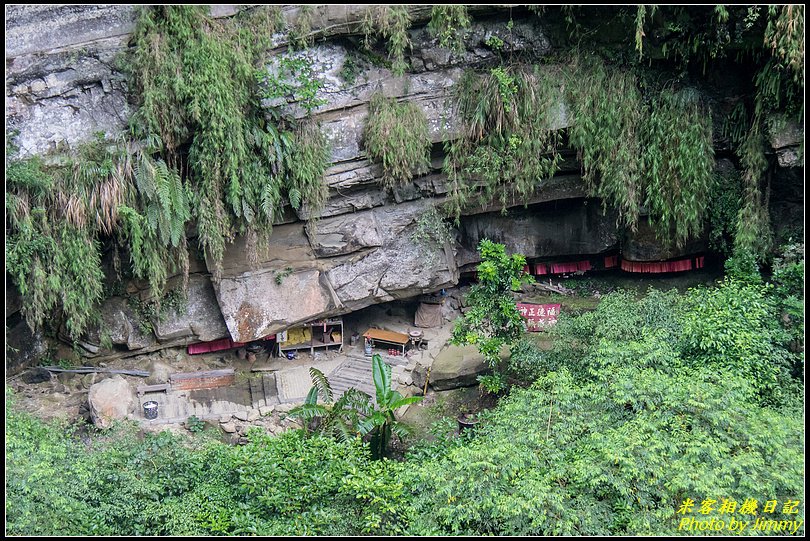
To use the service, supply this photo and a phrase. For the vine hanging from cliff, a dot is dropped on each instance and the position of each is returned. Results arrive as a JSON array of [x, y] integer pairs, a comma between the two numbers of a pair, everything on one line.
[[391, 23], [678, 162], [197, 83], [655, 153], [769, 39], [202, 150], [508, 142], [642, 155], [311, 156], [54, 216], [608, 111], [397, 136], [450, 23]]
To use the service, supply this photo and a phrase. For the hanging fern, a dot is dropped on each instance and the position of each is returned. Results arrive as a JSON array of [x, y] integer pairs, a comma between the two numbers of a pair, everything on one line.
[[508, 145], [195, 77], [392, 23], [449, 23], [397, 136]]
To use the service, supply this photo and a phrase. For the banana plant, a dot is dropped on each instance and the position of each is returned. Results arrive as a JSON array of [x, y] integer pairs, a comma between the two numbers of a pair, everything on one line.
[[381, 423], [340, 418], [353, 414]]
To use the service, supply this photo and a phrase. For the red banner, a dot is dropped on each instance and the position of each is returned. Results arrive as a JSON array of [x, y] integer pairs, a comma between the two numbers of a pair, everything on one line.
[[538, 316]]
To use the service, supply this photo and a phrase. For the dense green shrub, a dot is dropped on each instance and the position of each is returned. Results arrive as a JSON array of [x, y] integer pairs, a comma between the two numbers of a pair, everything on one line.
[[613, 456], [493, 320], [736, 327], [642, 404]]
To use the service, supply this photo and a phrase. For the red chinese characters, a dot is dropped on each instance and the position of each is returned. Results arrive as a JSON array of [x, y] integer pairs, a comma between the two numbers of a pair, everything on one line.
[[538, 316]]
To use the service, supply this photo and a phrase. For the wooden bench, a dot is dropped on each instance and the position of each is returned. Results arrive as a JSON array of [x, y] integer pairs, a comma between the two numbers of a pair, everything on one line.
[[387, 337]]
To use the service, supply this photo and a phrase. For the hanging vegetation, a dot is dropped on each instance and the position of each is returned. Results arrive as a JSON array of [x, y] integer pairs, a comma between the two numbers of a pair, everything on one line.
[[449, 23], [656, 153], [753, 233], [678, 164], [311, 156], [197, 83], [195, 80], [608, 112], [508, 145], [391, 23], [770, 39], [53, 217], [784, 35], [637, 154], [397, 136], [205, 153]]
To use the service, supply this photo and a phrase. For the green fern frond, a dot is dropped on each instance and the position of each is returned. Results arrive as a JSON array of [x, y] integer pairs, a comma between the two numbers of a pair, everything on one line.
[[321, 383]]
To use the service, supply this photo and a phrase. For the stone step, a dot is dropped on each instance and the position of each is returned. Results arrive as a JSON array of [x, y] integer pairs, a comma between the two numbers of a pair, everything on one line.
[[271, 397], [270, 387], [257, 393]]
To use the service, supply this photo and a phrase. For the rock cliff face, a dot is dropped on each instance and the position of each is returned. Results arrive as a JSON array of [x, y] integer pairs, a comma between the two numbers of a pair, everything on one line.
[[63, 85]]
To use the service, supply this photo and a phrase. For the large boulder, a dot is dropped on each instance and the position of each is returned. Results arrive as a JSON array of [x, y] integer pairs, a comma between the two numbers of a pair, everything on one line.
[[111, 400], [456, 367], [123, 324], [261, 303], [201, 319], [23, 347], [398, 270]]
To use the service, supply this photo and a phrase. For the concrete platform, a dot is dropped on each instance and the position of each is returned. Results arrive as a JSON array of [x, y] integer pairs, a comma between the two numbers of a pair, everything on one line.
[[253, 390], [175, 406]]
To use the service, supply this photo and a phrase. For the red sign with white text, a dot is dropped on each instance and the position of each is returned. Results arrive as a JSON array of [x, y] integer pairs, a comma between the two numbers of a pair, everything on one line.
[[538, 316]]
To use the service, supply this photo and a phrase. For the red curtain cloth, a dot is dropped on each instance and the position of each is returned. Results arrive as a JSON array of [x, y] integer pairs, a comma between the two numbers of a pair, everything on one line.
[[215, 345], [658, 267], [561, 268], [219, 345], [611, 261]]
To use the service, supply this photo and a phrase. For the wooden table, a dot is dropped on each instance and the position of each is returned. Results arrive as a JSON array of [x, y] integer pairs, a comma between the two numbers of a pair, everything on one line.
[[387, 337]]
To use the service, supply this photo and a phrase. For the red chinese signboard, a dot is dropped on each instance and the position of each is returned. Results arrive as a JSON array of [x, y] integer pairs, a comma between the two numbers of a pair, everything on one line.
[[539, 316]]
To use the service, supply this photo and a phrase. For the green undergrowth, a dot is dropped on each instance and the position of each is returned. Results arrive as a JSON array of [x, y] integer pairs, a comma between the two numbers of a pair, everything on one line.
[[637, 407]]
